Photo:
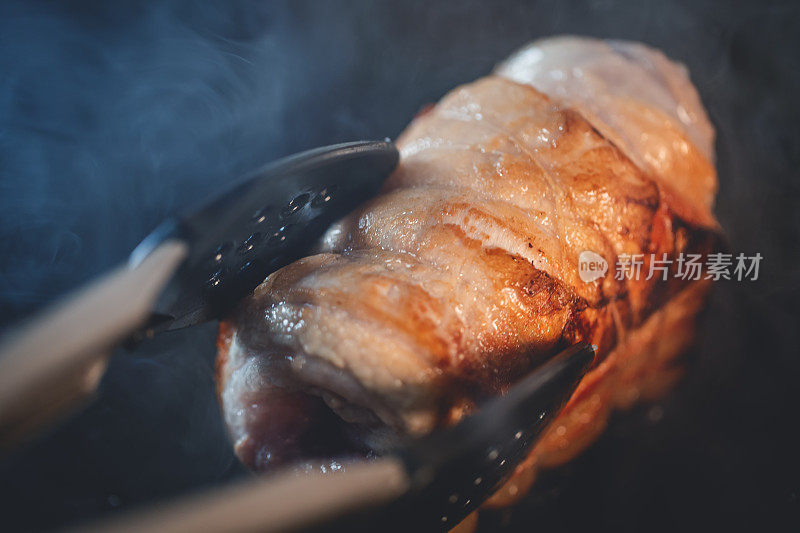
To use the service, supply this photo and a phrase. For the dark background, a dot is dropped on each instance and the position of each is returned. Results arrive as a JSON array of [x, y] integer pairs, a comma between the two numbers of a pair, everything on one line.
[[114, 115]]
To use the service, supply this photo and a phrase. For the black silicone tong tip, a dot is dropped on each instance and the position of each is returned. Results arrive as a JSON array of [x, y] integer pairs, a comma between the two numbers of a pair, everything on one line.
[[454, 471], [266, 220]]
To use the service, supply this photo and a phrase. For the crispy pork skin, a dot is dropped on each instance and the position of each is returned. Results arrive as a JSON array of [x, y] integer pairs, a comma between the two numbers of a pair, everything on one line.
[[463, 275]]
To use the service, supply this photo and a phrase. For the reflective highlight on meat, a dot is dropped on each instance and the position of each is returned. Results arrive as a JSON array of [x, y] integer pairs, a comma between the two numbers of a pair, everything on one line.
[[639, 100]]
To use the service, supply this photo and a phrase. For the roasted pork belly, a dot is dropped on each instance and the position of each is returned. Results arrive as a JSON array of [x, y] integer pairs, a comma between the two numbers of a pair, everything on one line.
[[463, 274]]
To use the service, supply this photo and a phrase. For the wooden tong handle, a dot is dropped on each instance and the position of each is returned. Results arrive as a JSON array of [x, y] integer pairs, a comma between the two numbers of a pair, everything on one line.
[[282, 502], [55, 362]]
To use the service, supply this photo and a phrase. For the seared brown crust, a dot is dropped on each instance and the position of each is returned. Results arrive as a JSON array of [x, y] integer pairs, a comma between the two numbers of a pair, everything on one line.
[[642, 367], [463, 275]]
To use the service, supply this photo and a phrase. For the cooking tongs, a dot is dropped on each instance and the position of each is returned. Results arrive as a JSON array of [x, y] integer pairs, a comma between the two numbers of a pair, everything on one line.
[[429, 484], [189, 270]]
